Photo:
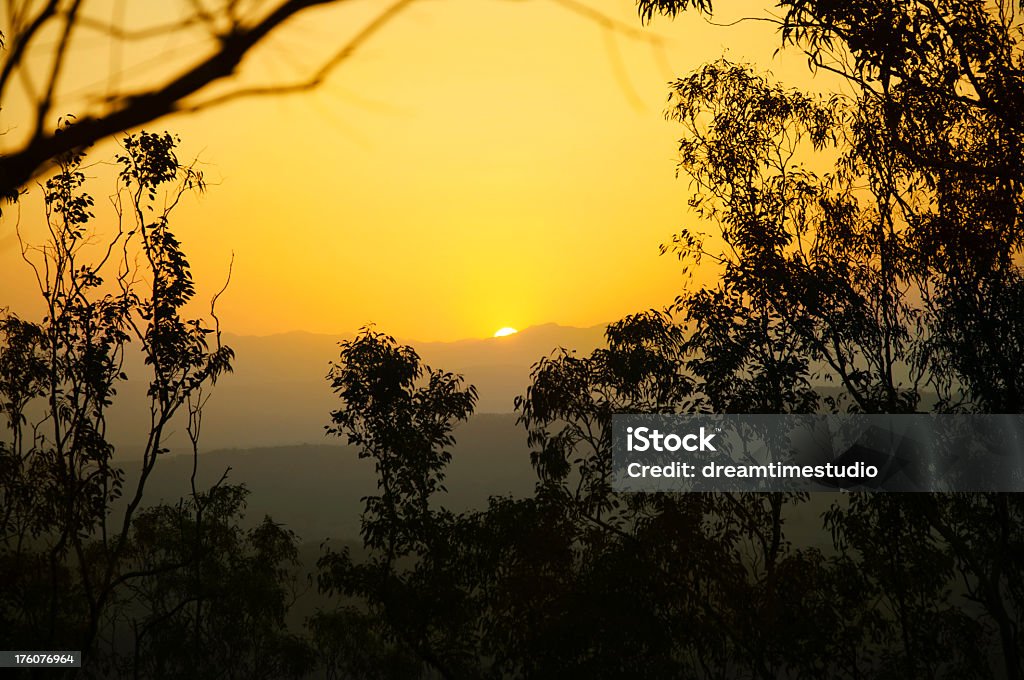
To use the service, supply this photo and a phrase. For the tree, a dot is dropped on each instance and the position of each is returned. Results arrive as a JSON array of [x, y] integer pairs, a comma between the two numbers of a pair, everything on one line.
[[934, 129], [211, 598], [814, 280], [400, 414], [661, 584], [896, 272], [903, 554], [839, 279], [63, 546], [640, 371]]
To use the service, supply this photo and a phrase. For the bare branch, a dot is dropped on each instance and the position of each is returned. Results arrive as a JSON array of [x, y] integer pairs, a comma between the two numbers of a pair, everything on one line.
[[321, 74], [607, 22], [45, 104], [157, 31], [131, 110], [216, 296], [20, 41]]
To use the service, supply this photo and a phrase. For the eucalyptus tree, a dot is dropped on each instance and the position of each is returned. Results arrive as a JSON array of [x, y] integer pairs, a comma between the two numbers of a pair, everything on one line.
[[400, 414], [933, 139], [895, 272], [67, 511]]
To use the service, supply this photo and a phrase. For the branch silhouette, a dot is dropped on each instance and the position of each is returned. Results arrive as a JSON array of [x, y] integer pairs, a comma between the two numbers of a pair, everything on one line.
[[129, 110], [233, 38]]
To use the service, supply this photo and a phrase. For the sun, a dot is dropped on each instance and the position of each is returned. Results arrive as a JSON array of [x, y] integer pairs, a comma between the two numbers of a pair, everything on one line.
[[502, 332]]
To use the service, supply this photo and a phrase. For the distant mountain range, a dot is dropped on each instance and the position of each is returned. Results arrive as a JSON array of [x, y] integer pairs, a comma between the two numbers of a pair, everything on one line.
[[278, 394]]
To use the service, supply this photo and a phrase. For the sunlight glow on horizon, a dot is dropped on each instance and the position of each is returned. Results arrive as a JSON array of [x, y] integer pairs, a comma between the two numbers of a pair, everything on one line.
[[502, 332], [472, 160]]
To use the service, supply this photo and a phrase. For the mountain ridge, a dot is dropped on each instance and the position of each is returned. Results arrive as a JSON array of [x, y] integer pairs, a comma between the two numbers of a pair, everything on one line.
[[278, 393]]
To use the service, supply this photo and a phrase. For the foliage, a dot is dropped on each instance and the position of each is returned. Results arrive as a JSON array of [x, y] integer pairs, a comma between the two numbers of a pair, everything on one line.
[[400, 414], [210, 599], [349, 644], [930, 144], [907, 555], [640, 371], [818, 282], [63, 546], [404, 427], [899, 271], [648, 8]]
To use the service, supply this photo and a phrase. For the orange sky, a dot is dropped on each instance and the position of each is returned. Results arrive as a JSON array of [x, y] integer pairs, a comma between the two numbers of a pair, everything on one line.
[[479, 164]]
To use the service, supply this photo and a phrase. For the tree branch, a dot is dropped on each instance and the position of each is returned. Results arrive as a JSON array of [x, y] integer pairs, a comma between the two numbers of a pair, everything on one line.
[[321, 73]]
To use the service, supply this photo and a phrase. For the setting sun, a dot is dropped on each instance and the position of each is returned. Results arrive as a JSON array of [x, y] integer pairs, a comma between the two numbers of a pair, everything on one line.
[[502, 332]]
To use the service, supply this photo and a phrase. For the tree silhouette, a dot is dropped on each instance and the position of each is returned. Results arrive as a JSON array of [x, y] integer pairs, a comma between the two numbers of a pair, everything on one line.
[[814, 280], [914, 286], [640, 371], [894, 274], [63, 546], [211, 598], [933, 130], [400, 414], [907, 555], [661, 584], [233, 30]]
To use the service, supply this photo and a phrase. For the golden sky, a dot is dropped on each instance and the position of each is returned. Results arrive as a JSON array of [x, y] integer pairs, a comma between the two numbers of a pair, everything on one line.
[[478, 164]]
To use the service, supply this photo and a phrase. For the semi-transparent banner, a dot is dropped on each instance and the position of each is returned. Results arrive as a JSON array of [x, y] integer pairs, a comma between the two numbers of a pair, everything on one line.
[[818, 452]]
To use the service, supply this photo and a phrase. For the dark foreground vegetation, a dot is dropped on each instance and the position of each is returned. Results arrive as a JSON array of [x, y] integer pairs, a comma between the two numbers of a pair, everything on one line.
[[869, 242]]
